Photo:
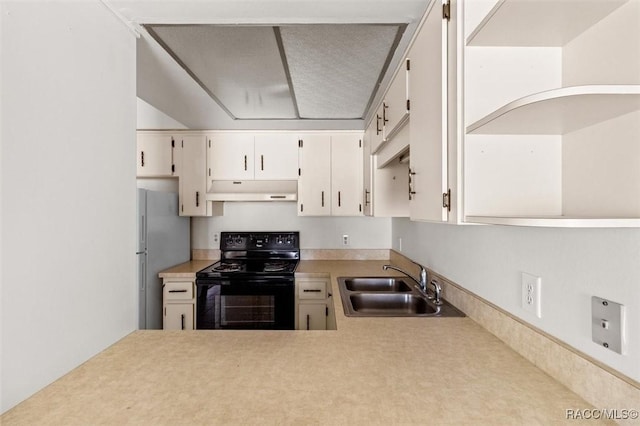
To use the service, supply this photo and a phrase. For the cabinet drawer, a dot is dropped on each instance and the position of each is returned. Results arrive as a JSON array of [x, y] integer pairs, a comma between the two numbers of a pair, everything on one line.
[[312, 289], [182, 290]]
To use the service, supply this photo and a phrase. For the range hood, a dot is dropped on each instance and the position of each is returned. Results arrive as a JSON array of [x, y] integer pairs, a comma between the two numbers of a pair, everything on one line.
[[253, 190]]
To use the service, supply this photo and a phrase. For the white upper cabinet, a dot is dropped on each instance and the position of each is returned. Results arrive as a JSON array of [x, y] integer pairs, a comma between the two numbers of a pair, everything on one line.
[[346, 174], [331, 174], [377, 126], [396, 103], [193, 179], [231, 156], [552, 106], [314, 184], [428, 132], [276, 156], [155, 154], [253, 156]]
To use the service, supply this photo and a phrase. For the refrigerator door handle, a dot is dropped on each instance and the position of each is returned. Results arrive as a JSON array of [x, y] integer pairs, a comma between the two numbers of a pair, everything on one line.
[[141, 252]]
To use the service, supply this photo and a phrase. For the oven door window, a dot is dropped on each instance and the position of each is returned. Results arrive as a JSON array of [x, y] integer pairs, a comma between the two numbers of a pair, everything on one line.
[[247, 311]]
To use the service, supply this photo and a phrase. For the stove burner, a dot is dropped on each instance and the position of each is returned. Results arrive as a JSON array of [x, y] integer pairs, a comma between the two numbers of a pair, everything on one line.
[[228, 267], [275, 266]]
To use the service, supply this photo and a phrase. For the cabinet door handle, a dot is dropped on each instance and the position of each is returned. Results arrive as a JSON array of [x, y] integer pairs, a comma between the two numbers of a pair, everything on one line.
[[322, 198], [262, 162], [182, 321], [178, 291], [411, 191], [197, 199], [141, 158], [339, 200], [308, 322], [310, 290], [378, 129], [385, 120], [245, 163], [366, 197]]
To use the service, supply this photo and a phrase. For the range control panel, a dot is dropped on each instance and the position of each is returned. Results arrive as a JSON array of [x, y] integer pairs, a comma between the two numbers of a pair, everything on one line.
[[259, 241]]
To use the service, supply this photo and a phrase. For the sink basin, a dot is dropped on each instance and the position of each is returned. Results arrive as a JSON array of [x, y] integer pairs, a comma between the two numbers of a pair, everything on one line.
[[389, 296], [382, 284], [393, 304]]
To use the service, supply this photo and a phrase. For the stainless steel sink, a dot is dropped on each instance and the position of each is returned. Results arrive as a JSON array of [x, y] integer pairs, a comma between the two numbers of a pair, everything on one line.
[[388, 297], [391, 304], [377, 284]]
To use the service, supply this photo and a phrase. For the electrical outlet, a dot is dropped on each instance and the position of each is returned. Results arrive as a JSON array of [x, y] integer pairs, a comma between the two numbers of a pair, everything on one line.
[[345, 240], [531, 293], [215, 237]]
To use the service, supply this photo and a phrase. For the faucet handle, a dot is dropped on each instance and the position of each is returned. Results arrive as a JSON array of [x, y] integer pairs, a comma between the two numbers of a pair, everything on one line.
[[437, 292]]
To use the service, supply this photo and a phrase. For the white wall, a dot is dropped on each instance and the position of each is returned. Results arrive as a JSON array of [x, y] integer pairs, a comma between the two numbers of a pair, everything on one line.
[[150, 117], [315, 232], [68, 278], [574, 264]]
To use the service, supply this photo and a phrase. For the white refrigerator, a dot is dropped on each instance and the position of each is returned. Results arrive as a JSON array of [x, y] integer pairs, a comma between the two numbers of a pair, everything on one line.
[[164, 240]]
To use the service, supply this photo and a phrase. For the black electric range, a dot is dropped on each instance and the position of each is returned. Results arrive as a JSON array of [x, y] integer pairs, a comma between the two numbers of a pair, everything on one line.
[[252, 286]]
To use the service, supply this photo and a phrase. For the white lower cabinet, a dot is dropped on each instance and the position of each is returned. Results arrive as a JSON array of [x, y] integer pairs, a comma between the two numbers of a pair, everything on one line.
[[312, 316], [314, 304], [178, 297]]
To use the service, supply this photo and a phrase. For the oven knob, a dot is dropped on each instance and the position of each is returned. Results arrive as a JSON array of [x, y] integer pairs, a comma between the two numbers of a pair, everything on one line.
[[238, 240]]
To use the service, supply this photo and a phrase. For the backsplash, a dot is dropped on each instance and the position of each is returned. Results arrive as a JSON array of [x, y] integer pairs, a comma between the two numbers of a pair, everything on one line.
[[315, 232]]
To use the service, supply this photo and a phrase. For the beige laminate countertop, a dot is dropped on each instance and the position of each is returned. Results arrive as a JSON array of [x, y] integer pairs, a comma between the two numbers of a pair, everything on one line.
[[369, 371]]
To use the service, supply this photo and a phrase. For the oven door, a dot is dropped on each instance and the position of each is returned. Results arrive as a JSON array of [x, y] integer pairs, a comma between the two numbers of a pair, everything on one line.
[[245, 304]]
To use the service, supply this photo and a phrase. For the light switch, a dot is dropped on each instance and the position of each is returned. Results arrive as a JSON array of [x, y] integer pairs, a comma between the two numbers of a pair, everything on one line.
[[608, 324]]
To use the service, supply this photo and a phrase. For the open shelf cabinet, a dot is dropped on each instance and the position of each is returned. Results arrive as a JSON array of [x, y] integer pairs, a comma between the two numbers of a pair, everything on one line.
[[552, 107]]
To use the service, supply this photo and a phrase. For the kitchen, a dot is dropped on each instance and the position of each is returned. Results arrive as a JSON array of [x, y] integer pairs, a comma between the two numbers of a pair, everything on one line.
[[61, 133]]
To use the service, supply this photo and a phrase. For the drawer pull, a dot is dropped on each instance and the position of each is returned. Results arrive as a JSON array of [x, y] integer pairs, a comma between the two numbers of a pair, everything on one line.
[[182, 321], [312, 290], [178, 291]]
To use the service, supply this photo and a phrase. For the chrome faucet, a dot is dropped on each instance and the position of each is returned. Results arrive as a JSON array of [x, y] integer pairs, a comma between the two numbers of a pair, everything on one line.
[[422, 282]]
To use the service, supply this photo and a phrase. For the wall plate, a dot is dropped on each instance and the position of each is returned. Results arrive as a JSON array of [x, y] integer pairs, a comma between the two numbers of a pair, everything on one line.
[[608, 324]]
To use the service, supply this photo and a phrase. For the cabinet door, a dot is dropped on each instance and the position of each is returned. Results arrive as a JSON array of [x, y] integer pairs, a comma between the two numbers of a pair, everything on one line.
[[346, 174], [395, 103], [312, 316], [231, 156], [367, 167], [193, 179], [178, 316], [314, 184], [428, 124], [377, 134], [276, 157], [154, 154]]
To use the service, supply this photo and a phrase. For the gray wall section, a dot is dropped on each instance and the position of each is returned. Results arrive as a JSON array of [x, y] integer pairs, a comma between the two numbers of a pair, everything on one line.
[[68, 111], [574, 265]]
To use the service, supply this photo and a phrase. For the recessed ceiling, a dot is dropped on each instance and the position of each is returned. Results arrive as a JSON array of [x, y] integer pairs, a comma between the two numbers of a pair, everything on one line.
[[315, 72], [164, 84]]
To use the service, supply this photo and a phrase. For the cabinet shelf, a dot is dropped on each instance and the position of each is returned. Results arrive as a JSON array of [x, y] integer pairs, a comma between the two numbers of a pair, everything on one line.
[[557, 221], [560, 111], [547, 23]]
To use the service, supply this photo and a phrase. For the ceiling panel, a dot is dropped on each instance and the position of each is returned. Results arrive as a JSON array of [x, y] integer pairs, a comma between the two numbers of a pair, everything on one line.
[[239, 66], [318, 72], [335, 69]]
